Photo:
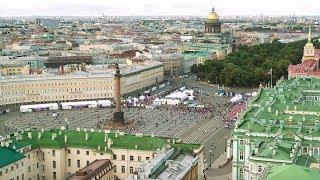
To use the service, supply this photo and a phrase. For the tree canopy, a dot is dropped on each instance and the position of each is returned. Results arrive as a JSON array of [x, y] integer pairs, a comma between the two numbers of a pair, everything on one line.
[[248, 66]]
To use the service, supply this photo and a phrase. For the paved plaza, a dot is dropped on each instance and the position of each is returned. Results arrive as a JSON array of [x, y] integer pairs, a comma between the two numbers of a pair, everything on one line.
[[192, 125], [167, 122], [201, 126]]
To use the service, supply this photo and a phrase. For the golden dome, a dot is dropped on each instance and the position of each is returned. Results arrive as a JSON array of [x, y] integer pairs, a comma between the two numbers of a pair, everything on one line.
[[213, 16]]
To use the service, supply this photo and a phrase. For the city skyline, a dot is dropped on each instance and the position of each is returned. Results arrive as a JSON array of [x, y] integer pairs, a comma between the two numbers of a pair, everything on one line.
[[156, 8]]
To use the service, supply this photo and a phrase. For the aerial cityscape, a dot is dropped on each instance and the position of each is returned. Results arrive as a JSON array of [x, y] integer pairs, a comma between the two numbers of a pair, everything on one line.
[[159, 90]]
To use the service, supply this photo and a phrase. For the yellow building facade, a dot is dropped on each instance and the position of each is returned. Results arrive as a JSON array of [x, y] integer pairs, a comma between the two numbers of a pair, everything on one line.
[[41, 88], [58, 154], [57, 164], [8, 70]]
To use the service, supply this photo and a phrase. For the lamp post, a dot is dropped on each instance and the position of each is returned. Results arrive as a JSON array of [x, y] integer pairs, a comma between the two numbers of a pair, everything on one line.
[[225, 144], [271, 77], [210, 157]]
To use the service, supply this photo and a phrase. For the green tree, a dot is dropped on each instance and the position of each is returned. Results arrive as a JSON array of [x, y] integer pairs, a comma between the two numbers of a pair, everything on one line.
[[249, 65]]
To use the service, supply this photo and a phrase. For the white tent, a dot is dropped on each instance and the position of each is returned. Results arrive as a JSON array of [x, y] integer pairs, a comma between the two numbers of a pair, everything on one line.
[[182, 88], [191, 98], [104, 103], [173, 101], [190, 92], [162, 85], [159, 102], [236, 98], [142, 97], [150, 106], [29, 108], [177, 95], [70, 105], [135, 100]]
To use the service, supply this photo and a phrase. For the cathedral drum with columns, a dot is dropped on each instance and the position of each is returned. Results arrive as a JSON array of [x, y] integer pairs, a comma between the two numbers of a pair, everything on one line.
[[212, 23]]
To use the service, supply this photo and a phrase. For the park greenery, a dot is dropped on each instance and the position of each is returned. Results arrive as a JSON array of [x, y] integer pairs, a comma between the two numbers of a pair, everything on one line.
[[249, 66]]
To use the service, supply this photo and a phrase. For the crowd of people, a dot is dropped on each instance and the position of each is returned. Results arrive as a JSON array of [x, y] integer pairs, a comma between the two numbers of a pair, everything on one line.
[[235, 111], [164, 120]]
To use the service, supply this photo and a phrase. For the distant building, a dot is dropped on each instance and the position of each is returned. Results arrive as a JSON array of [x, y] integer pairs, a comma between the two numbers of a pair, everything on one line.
[[309, 66], [212, 23], [47, 23], [98, 169], [170, 164], [198, 53], [57, 61], [94, 83], [58, 153], [172, 64], [7, 70]]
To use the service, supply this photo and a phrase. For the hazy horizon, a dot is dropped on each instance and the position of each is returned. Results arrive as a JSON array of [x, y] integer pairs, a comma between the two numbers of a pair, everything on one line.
[[157, 8]]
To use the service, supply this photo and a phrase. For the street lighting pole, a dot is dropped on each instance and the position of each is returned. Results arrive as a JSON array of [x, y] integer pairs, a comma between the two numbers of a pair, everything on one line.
[[271, 77], [225, 144], [210, 157]]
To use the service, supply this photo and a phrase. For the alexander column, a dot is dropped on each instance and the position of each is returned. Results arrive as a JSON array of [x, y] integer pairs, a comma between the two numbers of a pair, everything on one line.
[[118, 116]]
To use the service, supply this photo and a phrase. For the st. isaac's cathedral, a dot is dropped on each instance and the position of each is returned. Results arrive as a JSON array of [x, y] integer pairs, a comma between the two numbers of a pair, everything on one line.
[[212, 23], [212, 42]]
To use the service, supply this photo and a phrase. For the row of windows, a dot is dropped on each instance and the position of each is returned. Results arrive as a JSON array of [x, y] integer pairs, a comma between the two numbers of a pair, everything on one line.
[[78, 152], [131, 158], [14, 69], [85, 83], [312, 98], [123, 157], [22, 92], [12, 168], [66, 90], [78, 163], [88, 84], [18, 177], [315, 150], [123, 169], [53, 98]]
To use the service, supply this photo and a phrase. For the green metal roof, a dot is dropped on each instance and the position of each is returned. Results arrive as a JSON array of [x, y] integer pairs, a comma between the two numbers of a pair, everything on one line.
[[282, 151], [8, 156], [292, 172], [196, 54], [286, 95], [77, 139]]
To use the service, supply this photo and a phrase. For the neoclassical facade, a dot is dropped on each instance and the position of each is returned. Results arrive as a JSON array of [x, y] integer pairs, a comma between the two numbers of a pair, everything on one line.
[[73, 87], [279, 127], [57, 154]]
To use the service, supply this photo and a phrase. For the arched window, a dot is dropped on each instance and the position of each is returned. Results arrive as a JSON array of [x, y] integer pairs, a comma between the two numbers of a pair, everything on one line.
[[259, 168], [241, 155]]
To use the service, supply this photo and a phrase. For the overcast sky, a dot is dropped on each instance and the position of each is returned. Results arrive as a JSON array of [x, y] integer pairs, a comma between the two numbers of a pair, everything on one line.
[[157, 7]]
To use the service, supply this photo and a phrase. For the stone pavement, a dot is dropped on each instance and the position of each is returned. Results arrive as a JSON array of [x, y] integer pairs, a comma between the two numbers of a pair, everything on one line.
[[216, 173]]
